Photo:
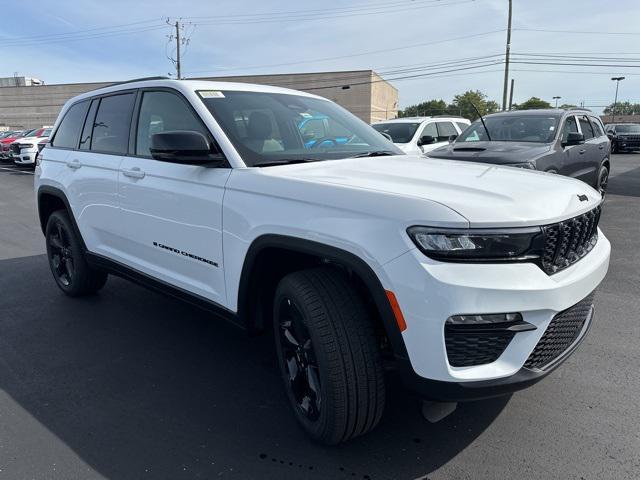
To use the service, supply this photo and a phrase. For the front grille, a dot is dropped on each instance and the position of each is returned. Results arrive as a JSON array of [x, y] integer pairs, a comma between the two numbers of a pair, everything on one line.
[[567, 242], [561, 333], [15, 148], [469, 348]]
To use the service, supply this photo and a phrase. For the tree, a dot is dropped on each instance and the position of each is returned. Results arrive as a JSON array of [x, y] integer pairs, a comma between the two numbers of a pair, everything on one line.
[[532, 104], [623, 108], [567, 106], [463, 104], [430, 107]]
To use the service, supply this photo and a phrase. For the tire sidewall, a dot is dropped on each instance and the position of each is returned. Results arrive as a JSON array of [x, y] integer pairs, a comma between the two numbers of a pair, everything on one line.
[[61, 217]]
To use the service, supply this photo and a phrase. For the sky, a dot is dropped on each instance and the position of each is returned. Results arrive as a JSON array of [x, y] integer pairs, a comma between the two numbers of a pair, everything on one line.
[[66, 41]]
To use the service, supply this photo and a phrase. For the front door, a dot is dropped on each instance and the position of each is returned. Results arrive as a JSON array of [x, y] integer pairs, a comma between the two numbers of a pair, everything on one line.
[[171, 212]]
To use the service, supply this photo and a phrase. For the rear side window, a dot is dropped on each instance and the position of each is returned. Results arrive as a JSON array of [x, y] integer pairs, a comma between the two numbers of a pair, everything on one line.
[[445, 130], [69, 129], [597, 127], [161, 112], [585, 126], [462, 126], [111, 127]]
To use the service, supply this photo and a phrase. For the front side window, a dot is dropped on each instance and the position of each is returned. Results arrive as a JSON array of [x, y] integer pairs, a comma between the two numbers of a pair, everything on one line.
[[69, 130], [268, 128], [462, 126], [445, 130], [162, 112], [513, 128], [585, 126], [431, 130], [111, 126], [570, 126], [400, 132]]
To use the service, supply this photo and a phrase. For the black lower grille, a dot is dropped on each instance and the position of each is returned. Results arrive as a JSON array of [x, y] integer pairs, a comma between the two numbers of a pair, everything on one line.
[[567, 242], [15, 148], [469, 348], [562, 332]]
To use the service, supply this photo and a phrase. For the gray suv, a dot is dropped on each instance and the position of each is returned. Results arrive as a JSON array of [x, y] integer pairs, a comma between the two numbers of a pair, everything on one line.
[[567, 142]]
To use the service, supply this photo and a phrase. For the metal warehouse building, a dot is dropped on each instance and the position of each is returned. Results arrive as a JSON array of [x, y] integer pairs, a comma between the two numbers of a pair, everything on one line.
[[363, 92]]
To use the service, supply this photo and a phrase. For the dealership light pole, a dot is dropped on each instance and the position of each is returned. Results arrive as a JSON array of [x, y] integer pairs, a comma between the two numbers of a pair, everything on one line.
[[615, 102], [506, 59], [556, 98]]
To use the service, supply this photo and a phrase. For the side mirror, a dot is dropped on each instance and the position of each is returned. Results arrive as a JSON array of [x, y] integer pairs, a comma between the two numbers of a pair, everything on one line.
[[452, 138], [426, 140], [183, 146], [574, 138]]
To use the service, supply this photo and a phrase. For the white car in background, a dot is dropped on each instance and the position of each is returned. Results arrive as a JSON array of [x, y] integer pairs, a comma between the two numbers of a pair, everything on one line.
[[418, 135], [25, 150]]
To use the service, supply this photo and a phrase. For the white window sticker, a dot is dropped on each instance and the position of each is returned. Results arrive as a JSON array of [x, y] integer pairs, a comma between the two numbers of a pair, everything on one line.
[[211, 94]]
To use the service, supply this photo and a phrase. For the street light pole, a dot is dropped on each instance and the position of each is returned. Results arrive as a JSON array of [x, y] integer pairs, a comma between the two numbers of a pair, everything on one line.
[[556, 99], [506, 59], [615, 102]]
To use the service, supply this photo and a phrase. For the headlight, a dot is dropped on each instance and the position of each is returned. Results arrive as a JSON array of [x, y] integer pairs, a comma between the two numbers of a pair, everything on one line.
[[528, 165], [508, 244]]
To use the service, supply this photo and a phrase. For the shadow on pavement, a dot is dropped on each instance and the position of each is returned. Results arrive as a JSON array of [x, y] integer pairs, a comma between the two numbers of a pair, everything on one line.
[[139, 385], [627, 183]]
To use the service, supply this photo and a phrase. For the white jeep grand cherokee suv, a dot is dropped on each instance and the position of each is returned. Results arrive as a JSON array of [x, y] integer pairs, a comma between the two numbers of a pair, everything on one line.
[[470, 280]]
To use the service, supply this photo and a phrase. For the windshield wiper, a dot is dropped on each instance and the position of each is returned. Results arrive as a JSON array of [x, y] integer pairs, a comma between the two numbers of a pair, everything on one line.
[[375, 153], [284, 161]]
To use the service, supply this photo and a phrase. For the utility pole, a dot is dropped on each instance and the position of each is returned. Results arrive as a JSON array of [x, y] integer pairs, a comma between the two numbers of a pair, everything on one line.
[[556, 98], [178, 50], [615, 102], [506, 59], [511, 93]]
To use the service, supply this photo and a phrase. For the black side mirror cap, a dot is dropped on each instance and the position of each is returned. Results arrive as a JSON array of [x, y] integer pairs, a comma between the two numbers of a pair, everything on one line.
[[426, 140], [183, 146], [452, 138], [574, 138]]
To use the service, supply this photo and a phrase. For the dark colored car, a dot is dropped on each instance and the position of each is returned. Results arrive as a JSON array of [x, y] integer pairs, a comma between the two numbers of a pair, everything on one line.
[[566, 142], [625, 137]]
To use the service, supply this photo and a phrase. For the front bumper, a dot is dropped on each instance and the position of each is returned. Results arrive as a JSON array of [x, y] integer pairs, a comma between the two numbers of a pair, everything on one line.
[[429, 292], [24, 158]]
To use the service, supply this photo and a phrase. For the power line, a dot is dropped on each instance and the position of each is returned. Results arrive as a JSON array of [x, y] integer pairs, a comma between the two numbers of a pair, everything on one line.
[[541, 30]]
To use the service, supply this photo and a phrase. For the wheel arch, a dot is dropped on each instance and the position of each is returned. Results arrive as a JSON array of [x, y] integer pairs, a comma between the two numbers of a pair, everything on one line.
[[51, 199], [265, 253]]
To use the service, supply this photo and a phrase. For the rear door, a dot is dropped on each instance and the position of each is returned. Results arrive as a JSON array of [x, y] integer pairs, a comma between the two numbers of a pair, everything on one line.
[[171, 212], [589, 161]]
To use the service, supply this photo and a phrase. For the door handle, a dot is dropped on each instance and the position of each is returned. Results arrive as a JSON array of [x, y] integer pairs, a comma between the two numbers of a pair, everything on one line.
[[135, 172], [601, 147], [74, 164], [581, 152]]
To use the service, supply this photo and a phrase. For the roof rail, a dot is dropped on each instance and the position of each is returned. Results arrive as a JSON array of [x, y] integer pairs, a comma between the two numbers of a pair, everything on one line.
[[580, 108], [140, 80], [448, 116]]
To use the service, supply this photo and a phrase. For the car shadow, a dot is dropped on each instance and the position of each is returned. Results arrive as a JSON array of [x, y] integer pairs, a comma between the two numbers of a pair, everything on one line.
[[138, 385], [627, 183]]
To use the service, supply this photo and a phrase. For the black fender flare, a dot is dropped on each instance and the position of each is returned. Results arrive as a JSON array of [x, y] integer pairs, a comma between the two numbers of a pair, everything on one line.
[[334, 255], [60, 195]]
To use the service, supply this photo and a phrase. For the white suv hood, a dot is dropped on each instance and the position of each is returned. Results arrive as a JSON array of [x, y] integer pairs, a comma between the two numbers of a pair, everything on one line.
[[486, 195]]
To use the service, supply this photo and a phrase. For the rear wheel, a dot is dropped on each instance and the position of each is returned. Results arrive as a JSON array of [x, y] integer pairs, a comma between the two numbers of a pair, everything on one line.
[[66, 258], [328, 355], [603, 180]]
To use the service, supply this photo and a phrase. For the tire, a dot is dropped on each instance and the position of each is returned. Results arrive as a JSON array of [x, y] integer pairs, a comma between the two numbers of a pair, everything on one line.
[[614, 147], [66, 258], [336, 347], [603, 181]]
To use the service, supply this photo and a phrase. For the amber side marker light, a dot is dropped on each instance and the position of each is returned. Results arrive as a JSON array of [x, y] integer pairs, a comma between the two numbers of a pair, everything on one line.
[[393, 301]]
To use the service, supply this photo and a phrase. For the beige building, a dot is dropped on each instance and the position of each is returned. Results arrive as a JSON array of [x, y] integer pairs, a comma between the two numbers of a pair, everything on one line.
[[363, 92]]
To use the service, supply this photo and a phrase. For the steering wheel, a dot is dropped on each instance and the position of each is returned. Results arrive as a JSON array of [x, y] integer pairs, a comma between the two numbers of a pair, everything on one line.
[[322, 140]]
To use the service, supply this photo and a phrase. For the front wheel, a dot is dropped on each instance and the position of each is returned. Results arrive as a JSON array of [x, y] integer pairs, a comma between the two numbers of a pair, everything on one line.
[[328, 355]]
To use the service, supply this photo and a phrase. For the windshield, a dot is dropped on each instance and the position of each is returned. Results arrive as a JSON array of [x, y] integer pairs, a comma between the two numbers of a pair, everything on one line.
[[276, 127], [628, 129], [513, 128], [400, 132]]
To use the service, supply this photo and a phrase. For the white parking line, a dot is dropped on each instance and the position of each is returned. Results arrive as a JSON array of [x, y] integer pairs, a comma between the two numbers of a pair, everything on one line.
[[16, 170]]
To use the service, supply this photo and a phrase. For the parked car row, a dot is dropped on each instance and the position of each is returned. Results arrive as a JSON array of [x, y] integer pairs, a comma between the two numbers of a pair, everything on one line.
[[571, 142], [22, 146]]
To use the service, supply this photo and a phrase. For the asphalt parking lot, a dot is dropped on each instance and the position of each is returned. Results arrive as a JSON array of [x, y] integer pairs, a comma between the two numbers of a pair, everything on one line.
[[130, 384]]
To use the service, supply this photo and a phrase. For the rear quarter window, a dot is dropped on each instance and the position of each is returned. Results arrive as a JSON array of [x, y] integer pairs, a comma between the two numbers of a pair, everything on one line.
[[68, 133]]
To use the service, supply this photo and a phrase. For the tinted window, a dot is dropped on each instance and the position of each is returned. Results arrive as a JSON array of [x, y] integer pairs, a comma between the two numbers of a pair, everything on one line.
[[85, 138], [445, 130], [429, 129], [570, 126], [111, 127], [513, 128], [69, 129], [585, 126], [631, 128], [597, 127], [400, 132], [162, 112], [462, 126]]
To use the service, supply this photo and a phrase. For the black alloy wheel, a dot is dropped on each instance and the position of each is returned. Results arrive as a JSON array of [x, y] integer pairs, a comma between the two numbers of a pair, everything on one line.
[[299, 360], [603, 181], [61, 255]]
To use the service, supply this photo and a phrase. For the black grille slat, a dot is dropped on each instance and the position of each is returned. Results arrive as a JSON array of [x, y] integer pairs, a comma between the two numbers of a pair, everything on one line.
[[567, 242], [563, 330], [466, 349]]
